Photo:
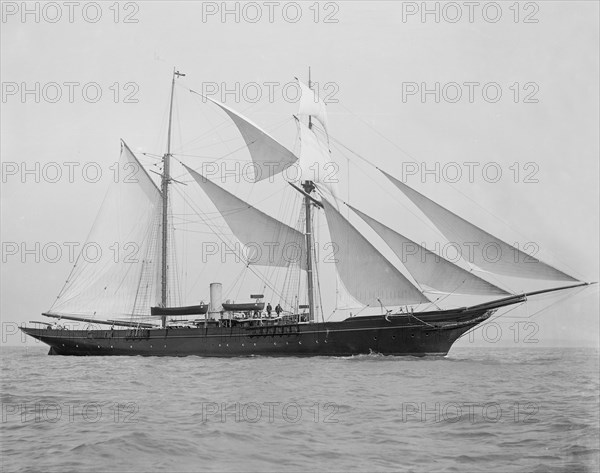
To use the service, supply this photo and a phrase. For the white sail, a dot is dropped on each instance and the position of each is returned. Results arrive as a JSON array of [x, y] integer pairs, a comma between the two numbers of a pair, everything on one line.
[[478, 246], [367, 275], [268, 241], [268, 155], [116, 275], [311, 105], [315, 159], [429, 268]]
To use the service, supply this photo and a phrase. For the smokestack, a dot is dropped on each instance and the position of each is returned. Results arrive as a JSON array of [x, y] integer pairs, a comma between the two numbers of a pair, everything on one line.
[[216, 300]]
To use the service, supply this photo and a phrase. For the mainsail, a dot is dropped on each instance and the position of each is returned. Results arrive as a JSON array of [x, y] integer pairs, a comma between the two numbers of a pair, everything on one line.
[[269, 242], [428, 268], [268, 155], [478, 246], [367, 275], [116, 275]]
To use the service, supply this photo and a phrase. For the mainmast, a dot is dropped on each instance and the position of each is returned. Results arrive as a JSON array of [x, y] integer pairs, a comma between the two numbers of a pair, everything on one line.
[[165, 179], [308, 188]]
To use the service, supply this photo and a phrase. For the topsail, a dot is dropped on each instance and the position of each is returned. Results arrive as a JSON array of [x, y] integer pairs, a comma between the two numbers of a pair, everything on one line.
[[315, 160], [311, 105]]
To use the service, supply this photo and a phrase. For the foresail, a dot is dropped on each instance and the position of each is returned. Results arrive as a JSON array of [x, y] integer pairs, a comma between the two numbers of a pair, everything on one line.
[[268, 241], [367, 275], [268, 155], [116, 275], [478, 246], [428, 268], [311, 105]]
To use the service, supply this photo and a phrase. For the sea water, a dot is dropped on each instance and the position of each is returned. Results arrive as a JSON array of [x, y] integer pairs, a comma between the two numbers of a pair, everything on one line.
[[478, 409]]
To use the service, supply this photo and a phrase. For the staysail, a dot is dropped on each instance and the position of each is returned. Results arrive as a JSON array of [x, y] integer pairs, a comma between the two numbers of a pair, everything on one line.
[[116, 274], [268, 241], [428, 268], [478, 246], [367, 275], [268, 155]]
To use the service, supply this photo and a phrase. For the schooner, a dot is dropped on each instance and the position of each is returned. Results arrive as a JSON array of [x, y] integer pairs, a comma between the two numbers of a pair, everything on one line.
[[135, 298]]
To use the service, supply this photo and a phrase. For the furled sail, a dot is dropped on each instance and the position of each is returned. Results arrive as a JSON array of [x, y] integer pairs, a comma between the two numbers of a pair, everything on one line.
[[479, 247], [268, 155], [116, 274], [367, 275], [312, 105], [429, 268], [268, 241]]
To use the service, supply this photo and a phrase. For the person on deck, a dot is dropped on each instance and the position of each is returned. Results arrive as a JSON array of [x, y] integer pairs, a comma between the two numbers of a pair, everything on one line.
[[278, 309], [269, 309]]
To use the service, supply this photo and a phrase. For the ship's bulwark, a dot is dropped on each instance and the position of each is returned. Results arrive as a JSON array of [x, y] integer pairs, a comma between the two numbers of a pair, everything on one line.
[[392, 335]]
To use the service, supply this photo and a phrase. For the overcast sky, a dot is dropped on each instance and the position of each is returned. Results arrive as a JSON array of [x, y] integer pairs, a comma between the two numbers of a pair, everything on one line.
[[372, 61]]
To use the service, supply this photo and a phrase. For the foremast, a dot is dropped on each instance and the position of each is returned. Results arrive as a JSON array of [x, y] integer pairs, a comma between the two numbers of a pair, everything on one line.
[[164, 187]]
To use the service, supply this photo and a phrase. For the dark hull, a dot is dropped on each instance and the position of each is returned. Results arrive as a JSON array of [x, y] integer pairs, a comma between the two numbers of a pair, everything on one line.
[[431, 334]]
